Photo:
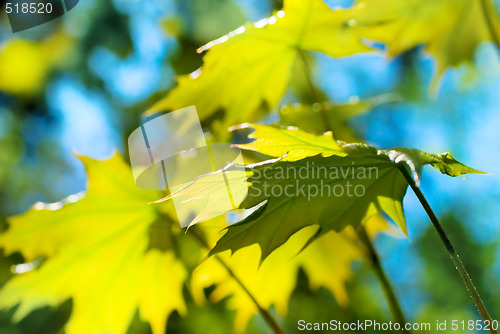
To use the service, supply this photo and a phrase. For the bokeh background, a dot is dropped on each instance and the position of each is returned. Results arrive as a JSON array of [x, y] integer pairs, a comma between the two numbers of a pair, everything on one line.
[[79, 85]]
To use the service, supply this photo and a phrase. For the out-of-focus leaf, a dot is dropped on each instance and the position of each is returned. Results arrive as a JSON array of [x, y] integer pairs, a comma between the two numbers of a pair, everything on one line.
[[96, 252], [309, 118], [327, 263], [252, 65], [202, 18], [450, 29], [24, 64]]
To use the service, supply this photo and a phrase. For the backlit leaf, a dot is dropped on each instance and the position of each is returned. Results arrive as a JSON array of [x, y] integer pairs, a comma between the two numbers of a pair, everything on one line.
[[96, 252], [450, 29], [327, 263], [291, 145], [330, 191], [252, 65]]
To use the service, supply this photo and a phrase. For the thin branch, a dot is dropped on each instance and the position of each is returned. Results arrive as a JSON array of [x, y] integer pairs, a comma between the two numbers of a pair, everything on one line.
[[449, 248], [490, 23], [394, 305], [268, 317]]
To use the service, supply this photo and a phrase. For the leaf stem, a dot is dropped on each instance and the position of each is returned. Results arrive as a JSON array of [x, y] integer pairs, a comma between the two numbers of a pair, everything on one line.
[[449, 248], [268, 317], [394, 305], [490, 23]]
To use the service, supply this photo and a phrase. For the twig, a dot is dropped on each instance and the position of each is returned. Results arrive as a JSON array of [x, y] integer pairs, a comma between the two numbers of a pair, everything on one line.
[[449, 248], [394, 305]]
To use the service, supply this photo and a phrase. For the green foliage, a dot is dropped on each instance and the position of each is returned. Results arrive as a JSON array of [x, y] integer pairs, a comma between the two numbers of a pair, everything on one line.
[[260, 60], [292, 145], [103, 240], [310, 165], [458, 27], [273, 281], [135, 268], [131, 260]]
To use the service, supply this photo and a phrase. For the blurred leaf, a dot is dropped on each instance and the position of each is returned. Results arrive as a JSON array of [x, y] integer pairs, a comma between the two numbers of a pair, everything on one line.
[[11, 150], [203, 18], [309, 118], [450, 29], [25, 65], [252, 65], [96, 253], [110, 28], [327, 263]]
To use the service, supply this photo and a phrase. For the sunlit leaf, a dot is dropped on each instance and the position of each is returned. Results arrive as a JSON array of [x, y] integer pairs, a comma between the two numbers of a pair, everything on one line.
[[327, 263], [332, 192], [290, 145], [252, 65], [295, 198], [96, 252], [450, 29], [310, 118]]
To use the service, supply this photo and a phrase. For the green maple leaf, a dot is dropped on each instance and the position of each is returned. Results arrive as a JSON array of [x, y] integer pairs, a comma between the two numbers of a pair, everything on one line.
[[303, 204], [458, 27], [97, 252], [356, 183], [252, 65], [289, 145]]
